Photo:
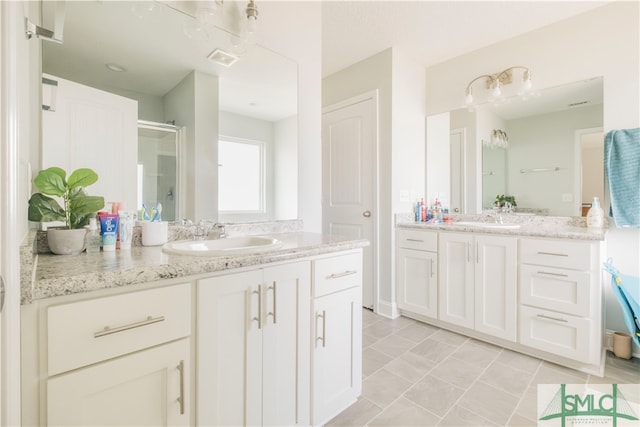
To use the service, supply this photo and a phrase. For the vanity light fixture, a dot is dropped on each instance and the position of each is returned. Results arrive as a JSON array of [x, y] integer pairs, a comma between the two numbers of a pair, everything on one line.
[[496, 81], [498, 139]]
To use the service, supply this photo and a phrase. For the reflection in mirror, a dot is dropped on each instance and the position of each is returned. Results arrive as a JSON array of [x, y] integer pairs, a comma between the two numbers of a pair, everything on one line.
[[165, 68], [158, 167], [552, 162]]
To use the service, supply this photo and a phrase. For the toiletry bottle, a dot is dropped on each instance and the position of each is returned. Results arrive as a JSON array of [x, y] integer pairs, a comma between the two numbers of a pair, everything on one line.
[[418, 212], [595, 216], [93, 241], [423, 210]]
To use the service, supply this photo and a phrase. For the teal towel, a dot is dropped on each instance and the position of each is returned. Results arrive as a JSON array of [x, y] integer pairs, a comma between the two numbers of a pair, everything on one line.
[[622, 168]]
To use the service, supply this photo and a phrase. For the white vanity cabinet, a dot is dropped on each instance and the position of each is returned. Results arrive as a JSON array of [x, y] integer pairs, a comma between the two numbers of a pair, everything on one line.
[[417, 267], [477, 282], [560, 297], [337, 340], [120, 360], [253, 347]]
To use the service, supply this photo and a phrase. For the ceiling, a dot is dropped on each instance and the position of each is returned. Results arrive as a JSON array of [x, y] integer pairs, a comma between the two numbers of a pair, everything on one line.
[[430, 31]]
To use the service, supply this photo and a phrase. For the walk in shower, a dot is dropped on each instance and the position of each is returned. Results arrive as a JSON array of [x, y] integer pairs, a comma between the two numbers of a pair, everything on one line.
[[158, 168]]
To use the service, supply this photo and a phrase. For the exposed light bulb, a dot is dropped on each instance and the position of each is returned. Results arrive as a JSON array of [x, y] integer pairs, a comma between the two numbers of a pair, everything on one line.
[[496, 90], [252, 24], [468, 99]]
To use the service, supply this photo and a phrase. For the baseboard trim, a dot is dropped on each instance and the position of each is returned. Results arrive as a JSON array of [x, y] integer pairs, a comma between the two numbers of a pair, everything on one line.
[[388, 309]]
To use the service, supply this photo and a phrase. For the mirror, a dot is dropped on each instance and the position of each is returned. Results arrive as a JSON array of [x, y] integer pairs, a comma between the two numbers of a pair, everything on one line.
[[553, 161], [159, 47]]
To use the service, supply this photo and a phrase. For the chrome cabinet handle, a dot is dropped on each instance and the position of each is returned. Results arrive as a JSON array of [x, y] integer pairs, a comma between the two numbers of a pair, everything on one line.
[[557, 319], [259, 317], [108, 330], [345, 273], [477, 254], [366, 214], [415, 240], [431, 266], [552, 254], [553, 274], [180, 368], [273, 313], [324, 328], [468, 252]]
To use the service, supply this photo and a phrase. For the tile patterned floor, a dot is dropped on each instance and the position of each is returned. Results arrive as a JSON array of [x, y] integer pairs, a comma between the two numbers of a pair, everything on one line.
[[416, 374]]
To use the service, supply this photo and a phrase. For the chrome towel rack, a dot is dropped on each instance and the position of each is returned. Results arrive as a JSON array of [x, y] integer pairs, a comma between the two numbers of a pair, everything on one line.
[[534, 170]]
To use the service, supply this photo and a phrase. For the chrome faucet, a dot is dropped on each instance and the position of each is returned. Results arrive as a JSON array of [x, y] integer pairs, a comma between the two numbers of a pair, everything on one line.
[[205, 230], [496, 215], [219, 231]]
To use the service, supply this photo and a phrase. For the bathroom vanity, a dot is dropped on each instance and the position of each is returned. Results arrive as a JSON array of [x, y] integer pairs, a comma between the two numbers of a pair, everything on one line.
[[534, 285], [143, 337]]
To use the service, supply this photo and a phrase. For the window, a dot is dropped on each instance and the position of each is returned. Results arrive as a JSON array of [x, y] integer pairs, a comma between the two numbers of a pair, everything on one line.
[[241, 182]]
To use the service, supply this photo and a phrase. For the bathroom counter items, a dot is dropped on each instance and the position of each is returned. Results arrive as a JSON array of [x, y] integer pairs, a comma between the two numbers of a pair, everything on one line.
[[529, 225], [45, 275]]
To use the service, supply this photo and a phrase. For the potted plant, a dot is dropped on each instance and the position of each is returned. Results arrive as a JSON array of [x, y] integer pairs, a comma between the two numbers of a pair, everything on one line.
[[77, 208]]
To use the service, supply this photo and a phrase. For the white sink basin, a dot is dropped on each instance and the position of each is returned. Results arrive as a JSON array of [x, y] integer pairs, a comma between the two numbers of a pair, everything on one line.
[[479, 224], [222, 247]]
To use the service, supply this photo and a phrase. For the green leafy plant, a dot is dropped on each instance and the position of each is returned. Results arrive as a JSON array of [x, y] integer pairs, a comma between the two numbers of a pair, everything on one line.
[[78, 206], [501, 199]]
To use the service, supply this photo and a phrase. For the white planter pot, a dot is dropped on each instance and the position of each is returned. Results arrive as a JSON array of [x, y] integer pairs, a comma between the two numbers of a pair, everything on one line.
[[66, 242]]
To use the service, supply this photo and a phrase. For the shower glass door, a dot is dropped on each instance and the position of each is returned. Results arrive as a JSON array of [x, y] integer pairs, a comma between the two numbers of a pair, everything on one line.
[[158, 168]]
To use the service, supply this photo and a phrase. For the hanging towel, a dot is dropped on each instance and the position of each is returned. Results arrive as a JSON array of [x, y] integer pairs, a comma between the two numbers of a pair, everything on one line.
[[622, 168], [627, 291]]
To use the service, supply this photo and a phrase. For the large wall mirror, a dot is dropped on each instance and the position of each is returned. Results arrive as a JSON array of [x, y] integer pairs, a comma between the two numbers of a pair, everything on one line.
[[143, 51], [552, 163]]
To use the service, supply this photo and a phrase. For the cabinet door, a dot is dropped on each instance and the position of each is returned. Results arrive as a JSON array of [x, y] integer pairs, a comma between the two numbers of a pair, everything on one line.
[[455, 279], [150, 387], [418, 282], [337, 353], [230, 322], [285, 345], [495, 286]]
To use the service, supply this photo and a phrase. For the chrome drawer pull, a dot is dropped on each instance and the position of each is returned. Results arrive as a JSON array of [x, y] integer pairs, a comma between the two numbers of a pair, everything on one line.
[[553, 274], [258, 318], [181, 398], [557, 319], [415, 240], [273, 313], [338, 275], [148, 321], [552, 254], [324, 328]]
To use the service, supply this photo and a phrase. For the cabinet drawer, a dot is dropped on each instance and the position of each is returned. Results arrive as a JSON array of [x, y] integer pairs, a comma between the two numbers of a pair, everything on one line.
[[85, 332], [561, 334], [556, 253], [336, 273], [567, 291], [416, 239]]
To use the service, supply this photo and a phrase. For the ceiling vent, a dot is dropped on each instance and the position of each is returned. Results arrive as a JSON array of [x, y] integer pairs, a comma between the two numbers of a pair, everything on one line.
[[221, 57]]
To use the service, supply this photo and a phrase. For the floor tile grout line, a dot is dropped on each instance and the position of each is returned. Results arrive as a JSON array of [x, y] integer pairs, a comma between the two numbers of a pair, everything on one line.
[[533, 377]]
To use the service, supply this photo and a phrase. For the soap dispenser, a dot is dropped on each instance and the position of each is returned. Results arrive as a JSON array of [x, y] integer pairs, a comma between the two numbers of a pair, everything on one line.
[[595, 216]]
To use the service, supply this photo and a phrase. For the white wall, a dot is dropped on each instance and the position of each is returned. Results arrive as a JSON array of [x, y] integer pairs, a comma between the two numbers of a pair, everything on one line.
[[603, 42], [193, 103], [437, 153], [285, 165]]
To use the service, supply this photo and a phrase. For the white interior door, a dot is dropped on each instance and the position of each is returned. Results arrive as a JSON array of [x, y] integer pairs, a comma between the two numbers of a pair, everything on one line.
[[90, 128], [349, 136]]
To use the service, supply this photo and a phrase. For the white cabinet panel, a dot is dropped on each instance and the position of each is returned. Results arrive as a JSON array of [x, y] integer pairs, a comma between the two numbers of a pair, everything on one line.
[[455, 281], [337, 354], [565, 291], [418, 282], [148, 388], [557, 333], [253, 353]]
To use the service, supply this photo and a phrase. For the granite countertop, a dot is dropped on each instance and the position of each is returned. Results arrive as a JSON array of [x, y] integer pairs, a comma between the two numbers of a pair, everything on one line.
[[530, 226], [56, 275]]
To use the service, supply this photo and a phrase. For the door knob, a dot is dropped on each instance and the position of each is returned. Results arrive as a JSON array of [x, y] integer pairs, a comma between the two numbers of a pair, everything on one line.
[[456, 210], [366, 214]]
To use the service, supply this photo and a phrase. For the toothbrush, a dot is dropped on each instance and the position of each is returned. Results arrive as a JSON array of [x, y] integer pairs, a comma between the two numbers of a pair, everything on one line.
[[159, 213]]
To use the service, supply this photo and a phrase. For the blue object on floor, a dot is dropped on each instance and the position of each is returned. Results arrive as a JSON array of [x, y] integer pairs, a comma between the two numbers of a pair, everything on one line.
[[622, 169], [627, 290]]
